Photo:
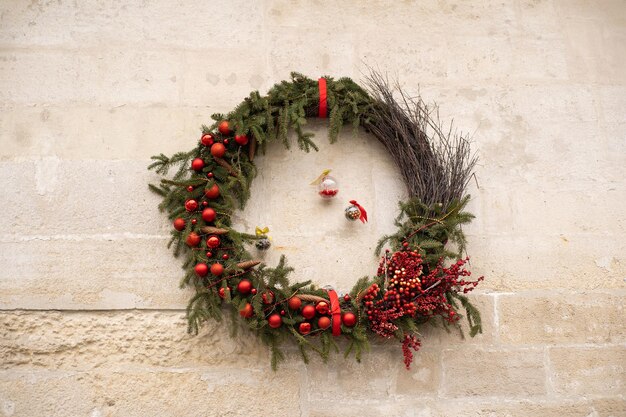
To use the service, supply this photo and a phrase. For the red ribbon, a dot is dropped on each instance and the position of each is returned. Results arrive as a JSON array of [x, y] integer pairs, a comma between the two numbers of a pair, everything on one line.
[[335, 310], [363, 216], [323, 103]]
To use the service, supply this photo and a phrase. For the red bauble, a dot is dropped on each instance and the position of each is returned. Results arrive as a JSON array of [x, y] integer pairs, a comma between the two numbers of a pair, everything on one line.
[[212, 192], [194, 221], [349, 319], [218, 150], [267, 297], [190, 188], [225, 141], [217, 269], [224, 127], [308, 312], [241, 139], [347, 298], [225, 256], [197, 164], [179, 224], [193, 239], [247, 311], [274, 321], [304, 328], [222, 292], [213, 242], [323, 323], [322, 307], [295, 303], [209, 254], [191, 205], [207, 140], [209, 175], [244, 286], [253, 292], [202, 269], [208, 214]]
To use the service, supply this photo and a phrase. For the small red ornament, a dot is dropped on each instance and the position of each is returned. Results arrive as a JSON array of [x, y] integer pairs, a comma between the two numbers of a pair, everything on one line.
[[205, 203], [207, 140], [323, 322], [217, 269], [224, 127], [267, 297], [225, 256], [213, 242], [209, 175], [282, 312], [347, 298], [322, 307], [190, 188], [202, 269], [349, 319], [209, 254], [208, 214], [191, 205], [241, 139], [308, 312], [194, 221], [294, 303], [304, 328], [225, 141], [247, 311], [253, 292], [218, 150], [244, 286], [212, 192], [274, 321], [197, 164], [193, 239], [222, 292], [179, 224]]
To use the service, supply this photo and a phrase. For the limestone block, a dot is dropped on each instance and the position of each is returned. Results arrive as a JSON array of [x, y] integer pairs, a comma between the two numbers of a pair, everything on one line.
[[476, 372], [584, 371], [561, 318]]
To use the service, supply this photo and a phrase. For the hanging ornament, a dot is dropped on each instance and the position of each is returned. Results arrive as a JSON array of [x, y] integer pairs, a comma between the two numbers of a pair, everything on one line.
[[327, 186], [263, 241], [322, 307], [267, 297], [356, 211], [191, 205]]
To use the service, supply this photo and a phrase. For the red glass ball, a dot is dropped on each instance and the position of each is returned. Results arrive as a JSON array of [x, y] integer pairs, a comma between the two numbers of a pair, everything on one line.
[[349, 319], [208, 214], [212, 192], [322, 307], [304, 328], [207, 140], [323, 322], [218, 150], [247, 311], [308, 312], [179, 224], [213, 242], [244, 286], [193, 239], [202, 269], [294, 303], [241, 139], [275, 321], [224, 127], [191, 205], [197, 164], [217, 269]]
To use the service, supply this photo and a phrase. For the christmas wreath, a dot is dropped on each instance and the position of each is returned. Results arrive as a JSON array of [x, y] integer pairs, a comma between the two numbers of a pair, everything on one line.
[[422, 277]]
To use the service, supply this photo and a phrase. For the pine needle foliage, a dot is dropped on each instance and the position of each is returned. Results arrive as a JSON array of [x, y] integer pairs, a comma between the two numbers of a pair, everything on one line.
[[436, 166]]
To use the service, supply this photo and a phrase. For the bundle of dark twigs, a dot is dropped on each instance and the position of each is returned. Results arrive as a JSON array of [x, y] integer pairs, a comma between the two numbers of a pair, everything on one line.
[[436, 164]]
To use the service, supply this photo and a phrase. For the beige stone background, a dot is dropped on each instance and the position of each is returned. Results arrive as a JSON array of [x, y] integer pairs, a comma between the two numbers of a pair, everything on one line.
[[92, 320]]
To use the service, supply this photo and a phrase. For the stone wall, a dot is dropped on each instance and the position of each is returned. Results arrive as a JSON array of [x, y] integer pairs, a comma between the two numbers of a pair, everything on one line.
[[92, 317]]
